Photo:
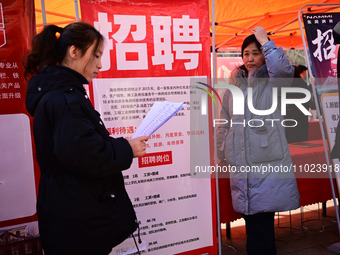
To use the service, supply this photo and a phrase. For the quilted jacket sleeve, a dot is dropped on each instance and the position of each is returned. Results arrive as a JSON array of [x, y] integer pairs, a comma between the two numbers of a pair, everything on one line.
[[81, 142], [277, 63]]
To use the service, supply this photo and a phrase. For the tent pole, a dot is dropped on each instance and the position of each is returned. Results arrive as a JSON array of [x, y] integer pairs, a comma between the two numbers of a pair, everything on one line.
[[213, 52], [76, 9], [213, 49], [43, 11]]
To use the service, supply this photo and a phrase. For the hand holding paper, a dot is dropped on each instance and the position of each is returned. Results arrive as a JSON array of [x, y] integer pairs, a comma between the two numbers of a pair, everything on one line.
[[159, 113], [138, 146]]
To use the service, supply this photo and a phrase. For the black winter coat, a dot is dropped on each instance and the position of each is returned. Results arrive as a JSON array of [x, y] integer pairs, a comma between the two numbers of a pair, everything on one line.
[[82, 206], [299, 133]]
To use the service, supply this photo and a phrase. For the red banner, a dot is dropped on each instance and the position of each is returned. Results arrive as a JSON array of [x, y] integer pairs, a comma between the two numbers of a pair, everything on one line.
[[19, 171], [155, 159], [164, 38], [16, 28], [153, 51]]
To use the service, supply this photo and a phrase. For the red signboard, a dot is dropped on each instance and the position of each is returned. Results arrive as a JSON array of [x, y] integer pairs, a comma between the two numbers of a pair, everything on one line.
[[152, 38], [154, 51], [155, 159], [19, 171]]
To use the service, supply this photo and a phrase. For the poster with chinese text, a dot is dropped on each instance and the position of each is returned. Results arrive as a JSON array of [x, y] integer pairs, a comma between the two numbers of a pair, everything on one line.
[[17, 179], [322, 49], [19, 172], [152, 51], [330, 106], [323, 54]]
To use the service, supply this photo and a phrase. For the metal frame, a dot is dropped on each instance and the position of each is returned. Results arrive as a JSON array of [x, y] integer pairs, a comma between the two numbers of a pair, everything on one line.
[[43, 11], [213, 52]]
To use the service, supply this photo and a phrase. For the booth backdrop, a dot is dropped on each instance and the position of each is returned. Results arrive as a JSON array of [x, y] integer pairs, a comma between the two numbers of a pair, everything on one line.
[[234, 19]]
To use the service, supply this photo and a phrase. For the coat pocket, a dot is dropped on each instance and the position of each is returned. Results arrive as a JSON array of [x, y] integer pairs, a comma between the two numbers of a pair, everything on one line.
[[265, 144]]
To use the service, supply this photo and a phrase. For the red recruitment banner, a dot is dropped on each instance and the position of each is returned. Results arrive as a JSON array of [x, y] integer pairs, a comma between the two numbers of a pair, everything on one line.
[[19, 170], [152, 37], [155, 159], [153, 50]]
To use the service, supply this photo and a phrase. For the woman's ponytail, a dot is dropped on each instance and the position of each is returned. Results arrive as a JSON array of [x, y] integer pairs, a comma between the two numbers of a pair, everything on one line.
[[50, 46], [44, 50]]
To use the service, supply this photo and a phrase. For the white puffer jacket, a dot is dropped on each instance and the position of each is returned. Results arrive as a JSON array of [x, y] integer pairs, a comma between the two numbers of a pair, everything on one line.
[[264, 180]]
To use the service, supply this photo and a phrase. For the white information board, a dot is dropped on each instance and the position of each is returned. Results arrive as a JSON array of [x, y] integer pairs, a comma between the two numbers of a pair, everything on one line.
[[174, 209], [330, 107], [17, 183]]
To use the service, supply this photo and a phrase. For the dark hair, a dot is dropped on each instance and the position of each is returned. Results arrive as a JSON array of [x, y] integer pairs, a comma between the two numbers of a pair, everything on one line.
[[49, 49], [249, 40], [302, 68]]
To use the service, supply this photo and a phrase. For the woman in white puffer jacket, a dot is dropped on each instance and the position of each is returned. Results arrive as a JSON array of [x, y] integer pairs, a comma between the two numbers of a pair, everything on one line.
[[264, 181]]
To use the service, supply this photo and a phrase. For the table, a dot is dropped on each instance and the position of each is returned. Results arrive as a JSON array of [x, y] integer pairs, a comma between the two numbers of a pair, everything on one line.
[[314, 132], [312, 190]]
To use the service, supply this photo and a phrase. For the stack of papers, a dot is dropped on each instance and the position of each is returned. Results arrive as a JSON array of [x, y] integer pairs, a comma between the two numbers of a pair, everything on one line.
[[159, 113]]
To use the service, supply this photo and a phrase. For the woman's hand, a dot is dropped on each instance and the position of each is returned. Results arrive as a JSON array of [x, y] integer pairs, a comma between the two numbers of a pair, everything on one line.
[[261, 35], [138, 146]]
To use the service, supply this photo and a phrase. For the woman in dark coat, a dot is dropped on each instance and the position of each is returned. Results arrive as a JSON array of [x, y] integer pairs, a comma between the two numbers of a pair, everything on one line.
[[299, 132], [83, 207]]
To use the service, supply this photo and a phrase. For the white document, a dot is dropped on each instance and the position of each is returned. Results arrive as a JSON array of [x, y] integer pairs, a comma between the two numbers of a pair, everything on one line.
[[159, 113], [128, 247]]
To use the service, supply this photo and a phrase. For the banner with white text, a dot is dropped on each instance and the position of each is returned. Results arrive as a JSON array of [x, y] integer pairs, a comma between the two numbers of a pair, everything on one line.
[[17, 175], [152, 51], [19, 171], [322, 48], [324, 55]]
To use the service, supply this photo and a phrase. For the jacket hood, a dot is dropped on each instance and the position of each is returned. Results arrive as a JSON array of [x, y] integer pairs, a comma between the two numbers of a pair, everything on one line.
[[51, 78]]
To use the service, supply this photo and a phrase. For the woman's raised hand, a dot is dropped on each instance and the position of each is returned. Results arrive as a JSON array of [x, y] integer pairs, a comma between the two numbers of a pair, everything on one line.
[[261, 35]]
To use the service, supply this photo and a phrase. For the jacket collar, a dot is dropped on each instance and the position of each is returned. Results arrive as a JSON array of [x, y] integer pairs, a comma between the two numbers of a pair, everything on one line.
[[52, 78]]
